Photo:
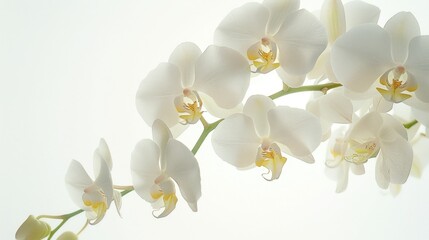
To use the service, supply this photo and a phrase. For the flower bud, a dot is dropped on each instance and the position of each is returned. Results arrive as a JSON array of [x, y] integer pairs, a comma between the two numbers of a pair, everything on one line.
[[33, 229], [67, 236]]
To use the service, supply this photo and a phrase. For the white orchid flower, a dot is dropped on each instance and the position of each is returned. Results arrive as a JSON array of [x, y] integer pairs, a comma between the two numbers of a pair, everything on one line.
[[154, 166], [396, 56], [177, 90], [382, 136], [94, 197], [272, 34], [32, 229], [337, 19], [260, 134]]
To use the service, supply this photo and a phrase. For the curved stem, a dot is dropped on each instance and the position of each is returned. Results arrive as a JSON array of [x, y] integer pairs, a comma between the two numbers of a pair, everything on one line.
[[288, 90], [207, 129]]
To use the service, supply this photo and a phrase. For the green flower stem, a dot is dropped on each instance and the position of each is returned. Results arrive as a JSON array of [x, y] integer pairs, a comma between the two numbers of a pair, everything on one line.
[[207, 129], [288, 90], [68, 216], [409, 125]]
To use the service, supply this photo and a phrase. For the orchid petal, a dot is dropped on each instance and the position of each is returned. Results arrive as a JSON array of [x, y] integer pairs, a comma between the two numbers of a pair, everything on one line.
[[366, 128], [359, 12], [217, 111], [104, 153], [76, 181], [332, 17], [242, 27], [360, 56], [290, 80], [145, 168], [223, 74], [418, 64], [182, 167], [402, 27], [333, 107], [104, 180], [278, 12], [301, 39], [235, 141], [184, 57], [299, 130], [117, 198], [156, 93], [381, 173], [357, 169], [398, 155], [160, 134], [422, 117], [257, 107]]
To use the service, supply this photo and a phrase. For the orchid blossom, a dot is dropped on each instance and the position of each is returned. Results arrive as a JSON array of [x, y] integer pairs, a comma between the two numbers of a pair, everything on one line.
[[395, 55], [260, 134], [156, 163], [94, 197], [274, 34], [176, 91]]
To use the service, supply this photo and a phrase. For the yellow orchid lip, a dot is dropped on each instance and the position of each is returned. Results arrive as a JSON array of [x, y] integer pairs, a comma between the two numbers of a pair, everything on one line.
[[361, 152], [396, 81], [189, 106], [263, 55], [272, 159]]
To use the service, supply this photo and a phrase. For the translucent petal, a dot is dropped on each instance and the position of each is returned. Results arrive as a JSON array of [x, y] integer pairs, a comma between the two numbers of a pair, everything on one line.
[[279, 9], [397, 154], [257, 107], [160, 134], [332, 17], [392, 123], [418, 64], [290, 80], [185, 56], [299, 130], [319, 69], [360, 56], [223, 74], [235, 141], [145, 168], [359, 12], [182, 167], [217, 111], [381, 173], [366, 128], [333, 107], [104, 152], [117, 198], [301, 39], [76, 181], [242, 27], [104, 180], [402, 27], [156, 93]]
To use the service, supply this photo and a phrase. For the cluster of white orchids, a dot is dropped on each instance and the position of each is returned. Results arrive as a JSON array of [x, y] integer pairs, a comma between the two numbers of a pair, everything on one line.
[[370, 103]]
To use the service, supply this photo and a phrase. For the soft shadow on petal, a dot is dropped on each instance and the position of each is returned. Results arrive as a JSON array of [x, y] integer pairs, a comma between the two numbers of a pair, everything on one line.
[[242, 27], [257, 107], [184, 57], [366, 128], [301, 40], [160, 133], [279, 9], [360, 56], [215, 110], [402, 27], [333, 107], [145, 168], [104, 152], [359, 12], [156, 93], [104, 181], [223, 74], [76, 181], [398, 155], [290, 80], [418, 64], [381, 173], [235, 141], [299, 130], [182, 167]]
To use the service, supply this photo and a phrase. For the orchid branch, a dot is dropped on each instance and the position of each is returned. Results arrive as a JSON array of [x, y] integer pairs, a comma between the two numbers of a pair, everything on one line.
[[288, 90]]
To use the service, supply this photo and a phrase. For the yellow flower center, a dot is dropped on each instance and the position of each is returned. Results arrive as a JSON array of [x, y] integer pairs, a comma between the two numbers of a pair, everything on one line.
[[263, 56], [95, 198], [189, 106], [169, 200], [360, 152], [272, 159], [396, 81]]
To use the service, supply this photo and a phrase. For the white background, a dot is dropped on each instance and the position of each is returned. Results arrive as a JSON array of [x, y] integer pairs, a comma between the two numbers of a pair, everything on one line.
[[69, 71]]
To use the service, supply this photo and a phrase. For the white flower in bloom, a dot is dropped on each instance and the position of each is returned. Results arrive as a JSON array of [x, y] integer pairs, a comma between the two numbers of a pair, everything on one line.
[[32, 229], [396, 56], [382, 136], [154, 166], [338, 19], [274, 34], [262, 132], [176, 91], [96, 196]]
